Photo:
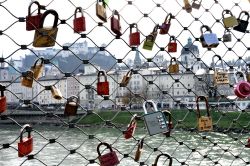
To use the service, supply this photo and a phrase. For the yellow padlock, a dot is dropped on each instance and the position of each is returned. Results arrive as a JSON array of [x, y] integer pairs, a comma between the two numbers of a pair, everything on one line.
[[56, 93], [220, 76], [27, 80], [126, 78], [204, 122], [38, 68], [230, 21], [173, 68], [139, 150]]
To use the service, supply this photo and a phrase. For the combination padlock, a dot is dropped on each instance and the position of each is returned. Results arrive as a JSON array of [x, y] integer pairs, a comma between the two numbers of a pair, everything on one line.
[[79, 22], [33, 22], [27, 79], [242, 24], [230, 21], [25, 146], [38, 68], [56, 93], [101, 10], [115, 23], [71, 106], [208, 40], [150, 39], [227, 37], [220, 76], [108, 159], [131, 128], [154, 121], [204, 122], [165, 155], [134, 37], [172, 45], [174, 66], [126, 78], [242, 88], [3, 105], [196, 4], [102, 87], [166, 25], [139, 150]]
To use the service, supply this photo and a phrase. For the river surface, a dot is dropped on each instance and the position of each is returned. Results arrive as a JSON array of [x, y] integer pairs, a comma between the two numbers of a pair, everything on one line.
[[58, 153]]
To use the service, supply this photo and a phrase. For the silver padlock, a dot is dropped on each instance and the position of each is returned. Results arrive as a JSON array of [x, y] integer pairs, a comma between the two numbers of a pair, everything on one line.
[[227, 37], [154, 121]]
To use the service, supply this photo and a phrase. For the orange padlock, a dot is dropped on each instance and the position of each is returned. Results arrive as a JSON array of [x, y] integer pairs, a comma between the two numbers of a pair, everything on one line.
[[71, 106], [173, 68], [102, 87], [126, 79], [27, 79], [25, 146], [3, 104]]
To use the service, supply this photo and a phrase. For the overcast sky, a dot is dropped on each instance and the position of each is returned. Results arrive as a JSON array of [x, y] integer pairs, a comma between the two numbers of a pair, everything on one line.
[[129, 14]]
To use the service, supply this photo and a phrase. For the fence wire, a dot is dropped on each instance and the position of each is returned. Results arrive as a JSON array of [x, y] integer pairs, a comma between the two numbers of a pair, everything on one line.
[[170, 91]]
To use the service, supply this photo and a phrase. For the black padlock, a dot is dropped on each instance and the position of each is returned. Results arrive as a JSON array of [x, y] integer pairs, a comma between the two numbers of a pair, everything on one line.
[[242, 26]]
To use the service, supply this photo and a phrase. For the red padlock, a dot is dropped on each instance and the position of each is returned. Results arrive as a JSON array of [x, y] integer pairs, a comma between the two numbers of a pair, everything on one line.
[[131, 128], [33, 22], [242, 88], [108, 159], [79, 22], [248, 143], [102, 87], [166, 25], [115, 23], [3, 104], [134, 37], [172, 45], [25, 146]]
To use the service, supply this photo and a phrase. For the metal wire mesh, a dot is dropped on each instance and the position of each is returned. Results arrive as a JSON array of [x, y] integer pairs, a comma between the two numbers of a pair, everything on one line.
[[151, 79]]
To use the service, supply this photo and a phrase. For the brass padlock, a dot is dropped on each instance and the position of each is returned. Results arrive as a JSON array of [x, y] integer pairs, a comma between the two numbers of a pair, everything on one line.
[[56, 93], [101, 10], [204, 122], [230, 21], [27, 79], [150, 39], [38, 68], [71, 106], [139, 150], [126, 79], [220, 76], [173, 68], [187, 6]]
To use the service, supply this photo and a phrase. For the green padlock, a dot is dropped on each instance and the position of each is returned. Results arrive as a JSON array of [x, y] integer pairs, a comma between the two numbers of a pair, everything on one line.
[[150, 39], [230, 21]]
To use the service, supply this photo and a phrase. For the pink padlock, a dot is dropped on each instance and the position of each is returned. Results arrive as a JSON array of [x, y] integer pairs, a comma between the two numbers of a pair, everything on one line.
[[242, 88]]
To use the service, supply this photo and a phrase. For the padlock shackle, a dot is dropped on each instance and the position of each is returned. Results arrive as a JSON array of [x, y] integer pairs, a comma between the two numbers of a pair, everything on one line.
[[45, 14], [169, 115], [168, 18], [134, 25], [241, 75], [156, 27], [166, 155], [28, 128], [220, 59], [38, 7], [246, 14], [198, 1], [152, 103], [140, 144], [207, 29], [226, 11], [102, 72], [172, 38], [132, 120], [101, 1], [199, 98], [2, 90], [71, 99], [80, 11], [39, 59], [115, 12], [105, 144], [173, 59]]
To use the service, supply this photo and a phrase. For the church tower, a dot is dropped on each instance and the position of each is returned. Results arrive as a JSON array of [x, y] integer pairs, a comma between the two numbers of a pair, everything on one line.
[[137, 60]]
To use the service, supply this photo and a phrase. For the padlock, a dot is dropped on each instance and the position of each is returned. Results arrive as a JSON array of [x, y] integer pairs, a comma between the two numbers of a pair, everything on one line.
[[242, 88], [227, 37], [139, 150], [33, 22], [115, 23], [242, 24], [150, 39], [166, 25], [248, 143], [168, 115], [230, 21], [71, 106], [108, 159], [204, 122], [38, 68], [220, 76], [3, 105], [56, 93], [174, 68], [208, 40], [196, 4], [134, 37], [172, 45], [25, 146], [27, 79], [187, 6], [155, 121], [46, 36], [126, 78], [248, 72], [79, 22], [101, 10], [131, 128], [102, 87], [163, 154]]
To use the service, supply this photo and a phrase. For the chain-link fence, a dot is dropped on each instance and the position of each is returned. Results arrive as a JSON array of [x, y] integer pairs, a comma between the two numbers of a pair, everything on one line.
[[124, 78]]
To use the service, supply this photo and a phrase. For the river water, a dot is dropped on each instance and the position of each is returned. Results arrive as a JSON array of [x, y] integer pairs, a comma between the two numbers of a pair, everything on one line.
[[68, 139]]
